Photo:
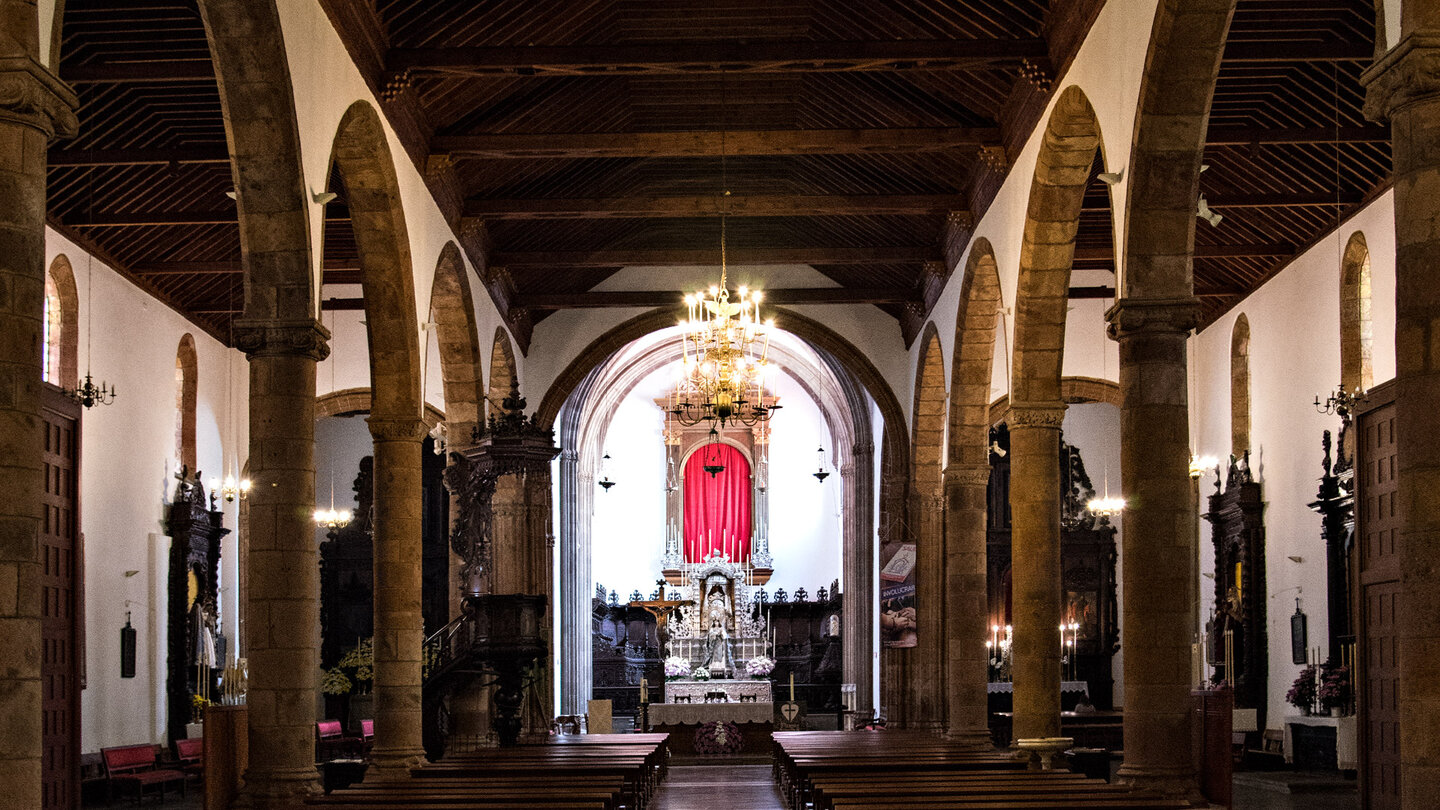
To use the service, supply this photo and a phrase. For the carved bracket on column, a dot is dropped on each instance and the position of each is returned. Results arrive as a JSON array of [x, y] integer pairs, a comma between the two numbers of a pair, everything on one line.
[[1410, 72], [509, 444], [1041, 415], [32, 96], [282, 338], [1148, 315]]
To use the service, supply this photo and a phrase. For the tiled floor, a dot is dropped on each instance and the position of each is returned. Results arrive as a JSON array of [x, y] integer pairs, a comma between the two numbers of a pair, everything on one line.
[[718, 787]]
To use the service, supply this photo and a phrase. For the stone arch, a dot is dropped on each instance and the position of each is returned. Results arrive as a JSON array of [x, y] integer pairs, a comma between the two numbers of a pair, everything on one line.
[[186, 385], [1062, 170], [355, 401], [1240, 387], [1073, 391], [453, 309], [912, 686], [966, 474], [66, 344], [502, 370], [1357, 330], [362, 156], [252, 71]]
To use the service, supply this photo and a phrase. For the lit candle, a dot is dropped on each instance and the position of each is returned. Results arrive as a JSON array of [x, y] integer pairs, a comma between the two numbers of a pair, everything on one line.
[[792, 687], [644, 691]]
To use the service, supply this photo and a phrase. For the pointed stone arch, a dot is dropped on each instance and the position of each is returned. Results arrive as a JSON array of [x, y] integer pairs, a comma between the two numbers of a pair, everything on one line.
[[967, 472], [186, 389], [1062, 171], [361, 155], [66, 344], [1240, 437], [453, 309], [1357, 328], [502, 369]]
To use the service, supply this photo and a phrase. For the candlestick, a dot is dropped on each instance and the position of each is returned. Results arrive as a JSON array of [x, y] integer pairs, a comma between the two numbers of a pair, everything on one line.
[[644, 691], [792, 687]]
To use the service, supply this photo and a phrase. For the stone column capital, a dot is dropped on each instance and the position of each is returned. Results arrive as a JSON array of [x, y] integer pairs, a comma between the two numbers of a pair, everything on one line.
[[32, 96], [403, 429], [968, 475], [301, 337], [1132, 316], [1049, 415], [1410, 72]]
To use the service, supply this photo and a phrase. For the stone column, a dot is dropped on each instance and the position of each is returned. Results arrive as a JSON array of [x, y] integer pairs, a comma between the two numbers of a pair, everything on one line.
[[35, 108], [1035, 572], [1405, 87], [926, 710], [283, 620], [857, 628], [399, 627], [1158, 543], [576, 590], [966, 612]]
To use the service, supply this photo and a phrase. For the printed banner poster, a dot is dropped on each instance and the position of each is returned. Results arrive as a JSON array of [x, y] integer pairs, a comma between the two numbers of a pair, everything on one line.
[[897, 595]]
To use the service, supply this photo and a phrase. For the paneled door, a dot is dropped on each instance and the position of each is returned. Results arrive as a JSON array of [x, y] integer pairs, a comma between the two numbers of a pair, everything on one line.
[[1376, 562], [62, 614]]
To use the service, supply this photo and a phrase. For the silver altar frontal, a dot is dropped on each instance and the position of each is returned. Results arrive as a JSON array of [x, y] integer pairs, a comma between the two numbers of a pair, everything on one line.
[[735, 691], [719, 630]]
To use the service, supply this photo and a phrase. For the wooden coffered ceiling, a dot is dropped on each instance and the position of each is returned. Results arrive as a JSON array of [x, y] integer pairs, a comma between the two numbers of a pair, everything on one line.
[[565, 139]]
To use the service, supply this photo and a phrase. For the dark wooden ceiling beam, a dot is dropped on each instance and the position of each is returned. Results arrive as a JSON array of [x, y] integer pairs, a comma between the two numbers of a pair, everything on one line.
[[137, 157], [730, 57], [1247, 251], [711, 205], [711, 256], [139, 72], [712, 144], [1331, 50], [1250, 136], [661, 298]]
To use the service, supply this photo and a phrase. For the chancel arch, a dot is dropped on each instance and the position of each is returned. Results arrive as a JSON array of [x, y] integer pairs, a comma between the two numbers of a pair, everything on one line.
[[360, 157], [1063, 169], [1357, 327], [606, 373], [62, 324]]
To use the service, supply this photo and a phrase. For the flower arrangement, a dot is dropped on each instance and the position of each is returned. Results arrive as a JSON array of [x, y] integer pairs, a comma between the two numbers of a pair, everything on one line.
[[197, 707], [759, 666], [718, 738], [1302, 691], [354, 672], [1334, 691], [676, 668], [701, 674]]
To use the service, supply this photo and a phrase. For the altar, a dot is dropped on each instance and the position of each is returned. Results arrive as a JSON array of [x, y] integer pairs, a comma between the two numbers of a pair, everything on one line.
[[734, 690]]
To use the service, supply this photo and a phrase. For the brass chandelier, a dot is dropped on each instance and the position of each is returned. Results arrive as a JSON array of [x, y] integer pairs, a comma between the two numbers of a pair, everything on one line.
[[725, 348]]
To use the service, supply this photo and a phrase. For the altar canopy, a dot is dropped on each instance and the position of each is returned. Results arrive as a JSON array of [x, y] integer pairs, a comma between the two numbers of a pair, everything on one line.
[[717, 508]]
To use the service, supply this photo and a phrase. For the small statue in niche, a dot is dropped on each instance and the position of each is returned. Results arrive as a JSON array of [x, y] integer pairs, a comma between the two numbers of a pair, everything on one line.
[[717, 638]]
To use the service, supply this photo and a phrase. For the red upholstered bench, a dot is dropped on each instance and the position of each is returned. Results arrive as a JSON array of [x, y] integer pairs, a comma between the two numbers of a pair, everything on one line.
[[136, 765], [191, 754], [330, 741], [367, 735]]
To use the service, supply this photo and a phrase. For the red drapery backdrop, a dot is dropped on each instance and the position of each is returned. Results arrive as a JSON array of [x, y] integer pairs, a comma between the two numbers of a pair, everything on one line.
[[717, 509]]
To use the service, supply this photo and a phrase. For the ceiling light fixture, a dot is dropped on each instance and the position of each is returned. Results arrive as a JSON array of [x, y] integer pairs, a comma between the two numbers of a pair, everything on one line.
[[332, 518], [1203, 211], [605, 482], [1111, 178], [1105, 506], [87, 393], [820, 473]]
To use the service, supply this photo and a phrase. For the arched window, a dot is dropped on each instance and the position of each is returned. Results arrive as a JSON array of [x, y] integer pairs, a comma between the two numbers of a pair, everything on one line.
[[1357, 331], [1240, 387], [62, 316], [185, 390]]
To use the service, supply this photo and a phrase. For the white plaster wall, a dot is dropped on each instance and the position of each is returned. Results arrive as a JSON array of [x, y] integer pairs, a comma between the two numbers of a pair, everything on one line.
[[326, 83], [128, 458], [340, 443], [629, 521], [1294, 354]]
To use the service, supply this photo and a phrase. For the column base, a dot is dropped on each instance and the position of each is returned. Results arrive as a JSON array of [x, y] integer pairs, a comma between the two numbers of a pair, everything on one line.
[[971, 739], [390, 764], [1174, 783], [277, 790]]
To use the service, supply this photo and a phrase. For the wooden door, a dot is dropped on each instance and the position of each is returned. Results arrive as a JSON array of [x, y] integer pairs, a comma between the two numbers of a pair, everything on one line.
[[1377, 566], [61, 594]]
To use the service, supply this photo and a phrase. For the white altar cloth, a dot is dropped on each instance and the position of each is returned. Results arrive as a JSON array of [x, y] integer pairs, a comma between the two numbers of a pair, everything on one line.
[[734, 688], [693, 714]]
